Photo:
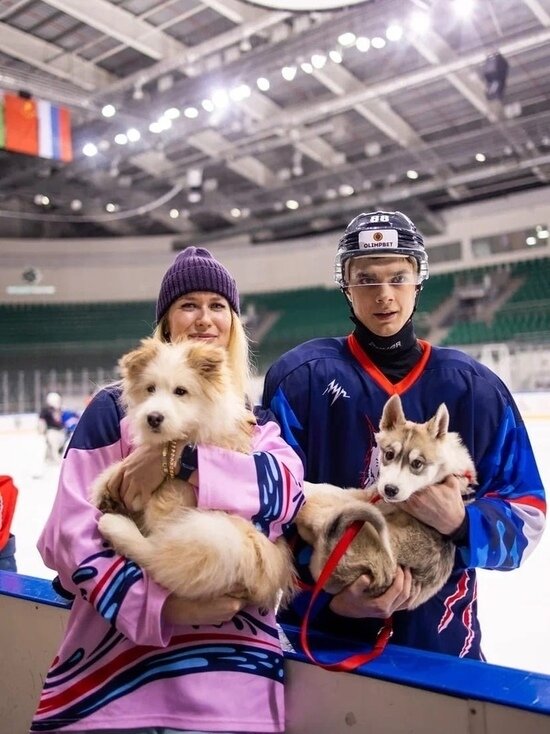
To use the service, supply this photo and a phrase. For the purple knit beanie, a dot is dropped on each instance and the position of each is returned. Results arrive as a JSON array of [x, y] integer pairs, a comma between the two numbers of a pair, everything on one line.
[[195, 269]]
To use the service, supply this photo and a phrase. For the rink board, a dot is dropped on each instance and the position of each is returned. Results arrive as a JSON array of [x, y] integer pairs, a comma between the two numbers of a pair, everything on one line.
[[403, 690]]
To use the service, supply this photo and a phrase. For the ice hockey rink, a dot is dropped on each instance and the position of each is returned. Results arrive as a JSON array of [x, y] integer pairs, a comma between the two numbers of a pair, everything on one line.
[[514, 607]]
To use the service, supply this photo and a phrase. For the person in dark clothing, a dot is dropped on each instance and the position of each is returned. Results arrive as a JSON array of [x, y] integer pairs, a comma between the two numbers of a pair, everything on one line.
[[328, 395]]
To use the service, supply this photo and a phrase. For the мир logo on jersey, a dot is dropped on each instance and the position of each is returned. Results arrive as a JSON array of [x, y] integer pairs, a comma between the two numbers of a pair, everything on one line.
[[334, 389]]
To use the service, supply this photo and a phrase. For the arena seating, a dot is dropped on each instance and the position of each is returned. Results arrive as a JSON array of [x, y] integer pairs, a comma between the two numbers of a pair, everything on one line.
[[277, 322]]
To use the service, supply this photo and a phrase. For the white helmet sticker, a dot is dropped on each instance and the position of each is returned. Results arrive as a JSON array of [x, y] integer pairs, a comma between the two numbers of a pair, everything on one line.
[[378, 238]]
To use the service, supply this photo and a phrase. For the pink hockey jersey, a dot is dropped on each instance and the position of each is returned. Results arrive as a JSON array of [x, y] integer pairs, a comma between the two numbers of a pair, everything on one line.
[[119, 665]]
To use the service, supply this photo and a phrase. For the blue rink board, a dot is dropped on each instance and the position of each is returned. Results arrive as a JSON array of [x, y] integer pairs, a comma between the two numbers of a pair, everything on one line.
[[443, 674]]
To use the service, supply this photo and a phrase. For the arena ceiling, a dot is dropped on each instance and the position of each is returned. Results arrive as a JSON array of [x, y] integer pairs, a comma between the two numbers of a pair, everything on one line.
[[386, 104]]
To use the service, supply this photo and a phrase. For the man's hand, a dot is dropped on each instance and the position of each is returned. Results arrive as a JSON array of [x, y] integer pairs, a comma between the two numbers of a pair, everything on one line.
[[214, 611], [440, 506], [352, 602]]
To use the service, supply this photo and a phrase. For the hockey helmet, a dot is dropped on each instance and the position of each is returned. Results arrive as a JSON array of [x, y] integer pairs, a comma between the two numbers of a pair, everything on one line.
[[53, 400], [382, 234]]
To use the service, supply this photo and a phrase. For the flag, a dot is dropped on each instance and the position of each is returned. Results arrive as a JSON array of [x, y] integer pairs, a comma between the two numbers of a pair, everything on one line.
[[54, 132], [20, 124]]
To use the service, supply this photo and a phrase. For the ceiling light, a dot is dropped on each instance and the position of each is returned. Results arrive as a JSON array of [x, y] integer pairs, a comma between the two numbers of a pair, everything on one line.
[[463, 8], [207, 105], [378, 42], [335, 56], [419, 22], [480, 157], [288, 72], [306, 67], [220, 98], [262, 83], [412, 174], [155, 127], [41, 200], [394, 32], [240, 92], [291, 204], [174, 213], [346, 39], [331, 194], [164, 83], [346, 190], [133, 135], [373, 149], [362, 44], [318, 60], [531, 241], [193, 197], [76, 205], [235, 212], [110, 207], [89, 149], [542, 232], [121, 139], [191, 112], [172, 113], [108, 110]]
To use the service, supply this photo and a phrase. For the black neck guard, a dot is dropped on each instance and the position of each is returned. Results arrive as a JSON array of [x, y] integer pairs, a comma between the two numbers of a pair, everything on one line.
[[395, 355]]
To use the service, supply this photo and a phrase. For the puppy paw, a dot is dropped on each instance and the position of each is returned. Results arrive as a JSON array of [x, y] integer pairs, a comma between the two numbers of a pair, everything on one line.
[[115, 528]]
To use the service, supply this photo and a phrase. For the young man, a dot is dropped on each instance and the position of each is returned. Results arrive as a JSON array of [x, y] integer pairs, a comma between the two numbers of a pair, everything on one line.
[[328, 396]]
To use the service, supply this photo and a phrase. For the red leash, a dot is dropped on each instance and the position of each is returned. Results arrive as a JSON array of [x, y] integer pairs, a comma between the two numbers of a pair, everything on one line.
[[386, 631]]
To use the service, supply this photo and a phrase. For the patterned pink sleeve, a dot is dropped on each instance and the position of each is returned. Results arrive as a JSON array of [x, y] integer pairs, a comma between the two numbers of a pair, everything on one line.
[[265, 487]]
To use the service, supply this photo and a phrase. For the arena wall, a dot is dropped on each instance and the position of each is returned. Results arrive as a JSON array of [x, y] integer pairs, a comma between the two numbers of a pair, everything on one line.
[[402, 690]]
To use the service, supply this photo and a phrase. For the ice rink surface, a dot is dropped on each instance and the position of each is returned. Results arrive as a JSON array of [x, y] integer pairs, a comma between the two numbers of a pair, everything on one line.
[[514, 607]]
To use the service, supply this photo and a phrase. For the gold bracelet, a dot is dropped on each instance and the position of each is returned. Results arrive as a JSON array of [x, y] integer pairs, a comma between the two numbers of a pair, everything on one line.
[[165, 467], [172, 459]]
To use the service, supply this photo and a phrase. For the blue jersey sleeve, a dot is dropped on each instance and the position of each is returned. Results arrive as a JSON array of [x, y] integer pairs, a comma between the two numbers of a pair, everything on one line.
[[508, 516]]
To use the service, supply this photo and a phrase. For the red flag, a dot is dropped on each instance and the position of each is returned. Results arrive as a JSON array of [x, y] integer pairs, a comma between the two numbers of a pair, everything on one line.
[[20, 124], [65, 138]]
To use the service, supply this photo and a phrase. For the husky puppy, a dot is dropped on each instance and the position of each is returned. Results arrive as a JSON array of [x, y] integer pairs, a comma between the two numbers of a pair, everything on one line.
[[412, 456], [184, 391]]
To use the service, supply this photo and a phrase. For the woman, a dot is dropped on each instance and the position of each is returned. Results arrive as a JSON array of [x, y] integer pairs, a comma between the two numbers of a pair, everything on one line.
[[135, 659]]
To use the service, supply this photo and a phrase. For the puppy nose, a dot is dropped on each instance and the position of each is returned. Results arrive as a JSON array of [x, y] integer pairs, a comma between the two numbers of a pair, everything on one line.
[[155, 419], [390, 490]]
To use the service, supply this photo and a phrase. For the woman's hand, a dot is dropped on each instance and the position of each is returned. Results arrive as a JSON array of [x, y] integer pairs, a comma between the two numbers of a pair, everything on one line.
[[352, 602], [440, 506], [177, 610], [138, 476]]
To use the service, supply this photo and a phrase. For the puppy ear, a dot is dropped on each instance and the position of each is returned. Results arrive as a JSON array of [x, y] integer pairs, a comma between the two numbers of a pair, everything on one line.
[[132, 364], [392, 415], [206, 359], [439, 424]]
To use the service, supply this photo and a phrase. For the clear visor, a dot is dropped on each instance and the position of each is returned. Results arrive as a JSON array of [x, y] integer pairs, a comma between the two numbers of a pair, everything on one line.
[[373, 271], [405, 278]]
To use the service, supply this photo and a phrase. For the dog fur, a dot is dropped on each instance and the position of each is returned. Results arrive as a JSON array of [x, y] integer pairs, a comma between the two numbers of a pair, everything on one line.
[[184, 391], [412, 456]]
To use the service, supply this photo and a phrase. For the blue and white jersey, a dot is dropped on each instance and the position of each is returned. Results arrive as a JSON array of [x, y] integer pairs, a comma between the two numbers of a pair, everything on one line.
[[328, 397]]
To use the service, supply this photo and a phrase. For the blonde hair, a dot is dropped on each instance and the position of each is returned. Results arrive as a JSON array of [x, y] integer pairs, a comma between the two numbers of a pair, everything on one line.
[[238, 350]]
